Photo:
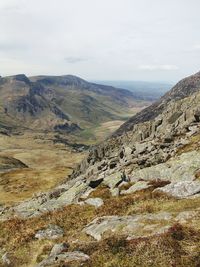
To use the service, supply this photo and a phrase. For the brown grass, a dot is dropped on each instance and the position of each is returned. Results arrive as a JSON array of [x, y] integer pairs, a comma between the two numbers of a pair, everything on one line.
[[102, 191], [49, 164], [168, 249], [194, 144], [179, 246]]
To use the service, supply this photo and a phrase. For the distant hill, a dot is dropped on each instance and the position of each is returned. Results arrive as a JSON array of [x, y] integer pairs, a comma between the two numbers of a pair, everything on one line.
[[141, 89], [59, 103]]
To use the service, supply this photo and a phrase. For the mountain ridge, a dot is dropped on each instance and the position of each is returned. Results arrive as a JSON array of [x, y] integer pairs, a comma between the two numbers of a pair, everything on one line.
[[59, 103]]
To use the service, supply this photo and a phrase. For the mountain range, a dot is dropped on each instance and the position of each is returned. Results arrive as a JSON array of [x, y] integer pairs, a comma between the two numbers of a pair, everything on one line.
[[59, 103]]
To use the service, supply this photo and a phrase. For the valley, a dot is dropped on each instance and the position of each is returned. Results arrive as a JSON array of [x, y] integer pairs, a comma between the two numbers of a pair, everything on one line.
[[132, 200], [50, 137]]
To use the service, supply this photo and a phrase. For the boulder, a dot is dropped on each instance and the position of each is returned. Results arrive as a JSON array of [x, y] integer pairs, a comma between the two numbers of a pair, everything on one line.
[[113, 179], [59, 248], [114, 192], [134, 225], [51, 232], [181, 168], [97, 202], [141, 147], [181, 189], [141, 185], [64, 258]]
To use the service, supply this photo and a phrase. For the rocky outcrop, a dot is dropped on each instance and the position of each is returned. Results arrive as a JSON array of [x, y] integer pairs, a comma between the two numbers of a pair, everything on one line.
[[151, 137], [181, 189], [135, 226], [179, 168]]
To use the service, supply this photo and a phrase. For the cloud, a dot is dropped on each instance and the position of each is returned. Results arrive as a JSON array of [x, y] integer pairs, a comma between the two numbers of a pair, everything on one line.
[[142, 40], [15, 46], [74, 60], [158, 67], [196, 47]]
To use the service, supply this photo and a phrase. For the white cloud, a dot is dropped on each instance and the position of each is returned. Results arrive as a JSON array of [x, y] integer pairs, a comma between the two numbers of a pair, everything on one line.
[[158, 67]]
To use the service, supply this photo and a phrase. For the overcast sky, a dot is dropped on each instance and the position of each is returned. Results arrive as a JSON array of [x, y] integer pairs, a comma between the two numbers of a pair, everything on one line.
[[155, 40]]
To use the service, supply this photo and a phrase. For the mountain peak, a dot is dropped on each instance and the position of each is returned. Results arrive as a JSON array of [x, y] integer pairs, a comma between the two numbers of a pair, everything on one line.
[[19, 77], [184, 88]]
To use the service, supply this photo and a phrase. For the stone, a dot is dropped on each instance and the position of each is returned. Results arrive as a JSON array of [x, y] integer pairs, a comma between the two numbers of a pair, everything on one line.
[[141, 147], [181, 189], [64, 258], [51, 232], [59, 248], [113, 179], [179, 168], [97, 202], [184, 216], [130, 225], [115, 192], [138, 186], [5, 259], [127, 151], [74, 192]]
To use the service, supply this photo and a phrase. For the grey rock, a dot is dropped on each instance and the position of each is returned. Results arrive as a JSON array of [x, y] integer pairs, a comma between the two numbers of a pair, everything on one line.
[[185, 216], [141, 147], [115, 192], [61, 196], [114, 179], [64, 258], [59, 248], [133, 225], [5, 259], [181, 189], [97, 202], [180, 168], [140, 185], [51, 232]]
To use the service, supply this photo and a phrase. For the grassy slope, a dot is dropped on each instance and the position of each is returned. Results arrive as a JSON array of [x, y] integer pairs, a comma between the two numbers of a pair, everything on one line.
[[49, 164], [178, 247]]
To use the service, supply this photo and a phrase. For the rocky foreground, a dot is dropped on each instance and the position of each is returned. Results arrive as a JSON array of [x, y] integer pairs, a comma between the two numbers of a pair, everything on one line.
[[134, 201]]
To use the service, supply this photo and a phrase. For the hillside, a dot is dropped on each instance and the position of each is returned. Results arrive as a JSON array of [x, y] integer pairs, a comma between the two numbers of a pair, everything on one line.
[[48, 124], [133, 201], [64, 104]]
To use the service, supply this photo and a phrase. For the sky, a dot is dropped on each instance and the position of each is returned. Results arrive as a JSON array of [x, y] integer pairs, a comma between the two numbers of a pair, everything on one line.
[[147, 40]]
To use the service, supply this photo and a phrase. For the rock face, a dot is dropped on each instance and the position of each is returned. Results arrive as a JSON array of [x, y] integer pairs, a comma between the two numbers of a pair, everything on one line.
[[180, 168], [151, 137]]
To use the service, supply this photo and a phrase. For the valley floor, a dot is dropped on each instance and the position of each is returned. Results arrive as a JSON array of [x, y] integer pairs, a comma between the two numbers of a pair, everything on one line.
[[48, 165]]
